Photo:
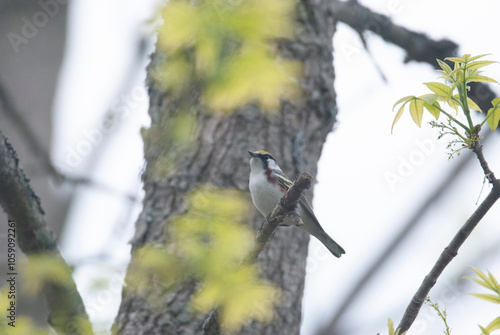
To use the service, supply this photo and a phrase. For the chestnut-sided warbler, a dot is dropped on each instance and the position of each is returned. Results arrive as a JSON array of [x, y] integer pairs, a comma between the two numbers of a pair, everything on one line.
[[268, 184]]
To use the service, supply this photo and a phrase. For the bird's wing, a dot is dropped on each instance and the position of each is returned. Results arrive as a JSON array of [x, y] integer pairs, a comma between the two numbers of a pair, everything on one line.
[[283, 181], [285, 184]]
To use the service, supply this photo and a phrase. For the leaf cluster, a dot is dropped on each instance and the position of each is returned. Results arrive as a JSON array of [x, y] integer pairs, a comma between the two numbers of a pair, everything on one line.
[[490, 282], [207, 244], [227, 47], [453, 93]]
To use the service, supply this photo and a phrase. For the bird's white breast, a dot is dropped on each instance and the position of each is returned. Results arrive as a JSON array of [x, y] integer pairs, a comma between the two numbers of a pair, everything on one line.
[[265, 196]]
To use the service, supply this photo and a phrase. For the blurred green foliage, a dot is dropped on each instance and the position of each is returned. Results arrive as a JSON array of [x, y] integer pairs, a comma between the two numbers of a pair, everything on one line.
[[41, 269], [491, 283], [207, 244], [228, 49], [170, 139], [23, 325]]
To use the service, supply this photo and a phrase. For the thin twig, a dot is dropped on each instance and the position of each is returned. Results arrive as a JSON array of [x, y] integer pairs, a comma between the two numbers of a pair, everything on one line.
[[452, 249], [66, 310], [478, 150], [286, 207]]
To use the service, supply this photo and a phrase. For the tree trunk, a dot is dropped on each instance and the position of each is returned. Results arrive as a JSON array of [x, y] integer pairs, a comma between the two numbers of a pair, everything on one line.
[[295, 136]]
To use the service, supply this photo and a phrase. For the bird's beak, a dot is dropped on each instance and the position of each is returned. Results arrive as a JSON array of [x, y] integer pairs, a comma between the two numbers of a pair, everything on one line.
[[253, 154]]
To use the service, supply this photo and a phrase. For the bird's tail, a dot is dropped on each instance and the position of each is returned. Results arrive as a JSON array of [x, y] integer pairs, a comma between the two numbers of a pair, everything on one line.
[[331, 245], [312, 226]]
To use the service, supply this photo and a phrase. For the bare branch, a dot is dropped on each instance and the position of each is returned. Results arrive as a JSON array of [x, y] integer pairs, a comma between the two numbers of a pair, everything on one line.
[[419, 47], [286, 207], [478, 150], [452, 249], [363, 19], [66, 310], [405, 229]]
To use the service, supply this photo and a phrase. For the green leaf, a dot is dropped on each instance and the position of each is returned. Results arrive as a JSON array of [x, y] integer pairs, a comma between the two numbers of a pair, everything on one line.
[[488, 297], [429, 98], [479, 64], [446, 68], [398, 115], [477, 78], [416, 111], [473, 105], [440, 89], [453, 104], [444, 74], [455, 59], [495, 102], [493, 118], [494, 325], [477, 57], [405, 99], [454, 75], [484, 331], [481, 275], [494, 282], [452, 89], [480, 282], [390, 325], [433, 109]]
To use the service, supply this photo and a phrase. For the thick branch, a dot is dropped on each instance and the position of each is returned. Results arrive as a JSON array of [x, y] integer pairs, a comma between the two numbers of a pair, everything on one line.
[[452, 249], [419, 47], [66, 310], [286, 207]]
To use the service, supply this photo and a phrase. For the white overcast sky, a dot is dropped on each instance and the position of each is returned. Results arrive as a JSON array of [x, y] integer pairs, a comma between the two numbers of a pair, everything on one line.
[[353, 198]]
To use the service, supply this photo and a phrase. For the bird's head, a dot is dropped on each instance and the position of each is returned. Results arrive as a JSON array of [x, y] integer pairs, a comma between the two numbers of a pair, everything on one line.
[[262, 160]]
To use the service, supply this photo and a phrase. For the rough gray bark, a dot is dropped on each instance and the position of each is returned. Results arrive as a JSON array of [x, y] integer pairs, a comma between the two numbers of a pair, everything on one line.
[[66, 312], [295, 136]]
